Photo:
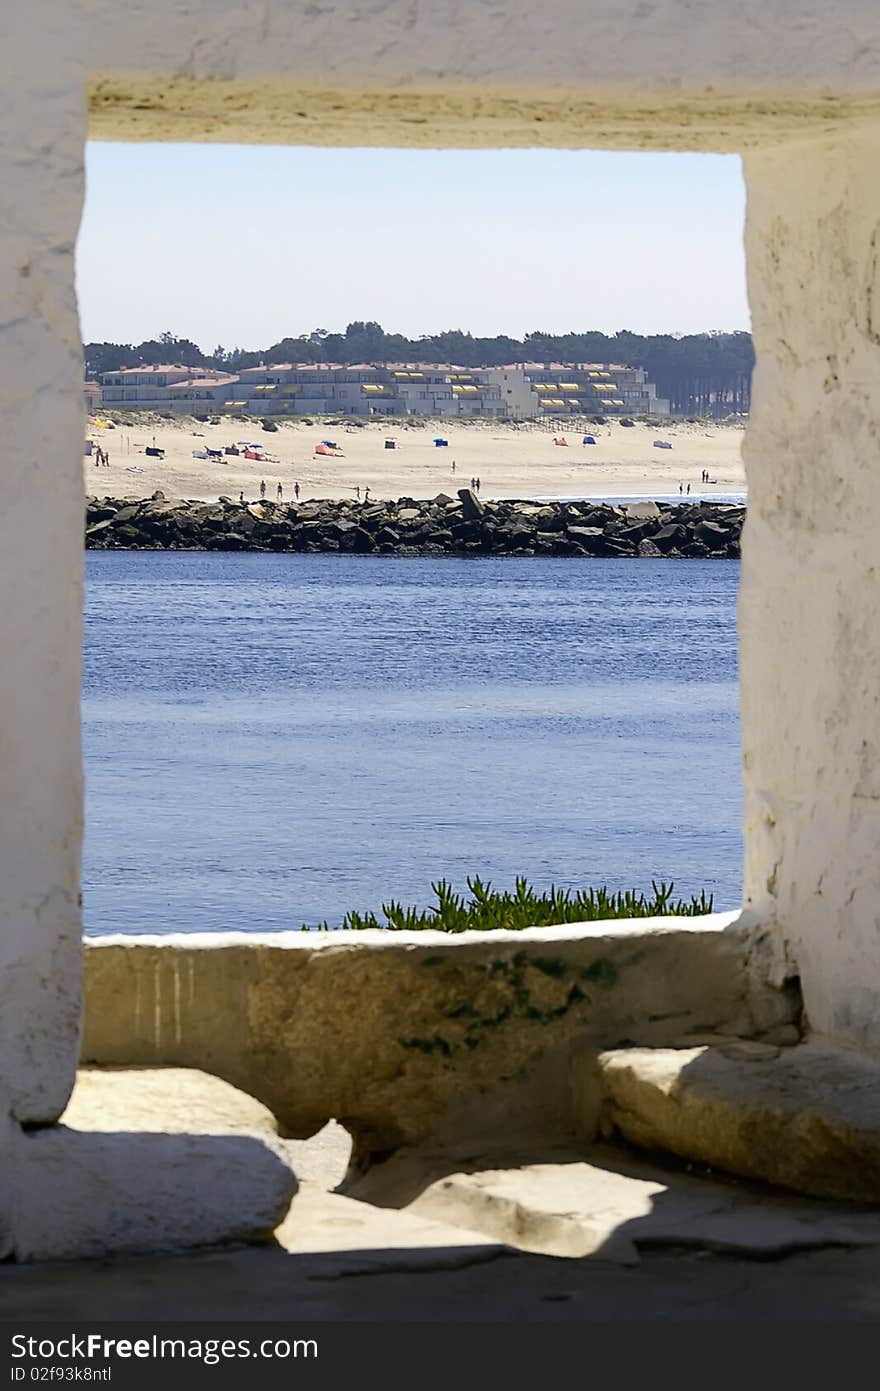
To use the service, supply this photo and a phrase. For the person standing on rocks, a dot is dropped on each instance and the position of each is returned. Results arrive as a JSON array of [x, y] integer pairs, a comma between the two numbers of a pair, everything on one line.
[[262, 488], [241, 496]]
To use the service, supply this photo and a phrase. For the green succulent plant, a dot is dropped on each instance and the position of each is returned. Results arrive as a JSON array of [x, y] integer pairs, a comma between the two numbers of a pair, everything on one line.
[[489, 909]]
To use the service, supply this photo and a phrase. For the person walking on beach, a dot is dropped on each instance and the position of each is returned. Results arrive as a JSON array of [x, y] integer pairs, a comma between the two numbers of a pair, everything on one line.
[[367, 493], [688, 488], [453, 466], [262, 487], [478, 484], [296, 491], [357, 491], [681, 487], [280, 492], [106, 458]]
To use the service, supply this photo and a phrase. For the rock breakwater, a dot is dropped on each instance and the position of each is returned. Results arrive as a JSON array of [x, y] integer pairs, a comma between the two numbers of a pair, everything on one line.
[[443, 525]]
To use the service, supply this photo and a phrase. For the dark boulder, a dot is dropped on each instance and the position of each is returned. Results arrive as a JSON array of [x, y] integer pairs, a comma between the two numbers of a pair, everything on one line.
[[472, 508]]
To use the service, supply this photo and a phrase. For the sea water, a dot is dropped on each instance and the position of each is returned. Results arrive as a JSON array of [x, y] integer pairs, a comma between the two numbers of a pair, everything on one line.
[[271, 740]]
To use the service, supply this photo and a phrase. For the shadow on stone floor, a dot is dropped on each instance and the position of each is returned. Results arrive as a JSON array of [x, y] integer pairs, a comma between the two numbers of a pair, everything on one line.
[[385, 1286]]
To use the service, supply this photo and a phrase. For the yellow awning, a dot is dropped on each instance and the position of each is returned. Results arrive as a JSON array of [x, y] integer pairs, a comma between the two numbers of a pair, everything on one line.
[[465, 390], [618, 401], [597, 387], [236, 404], [609, 403], [261, 390], [573, 401], [570, 386]]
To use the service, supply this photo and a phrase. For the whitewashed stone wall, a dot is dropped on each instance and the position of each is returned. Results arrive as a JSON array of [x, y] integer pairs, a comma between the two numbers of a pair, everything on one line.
[[795, 82], [41, 155], [810, 604]]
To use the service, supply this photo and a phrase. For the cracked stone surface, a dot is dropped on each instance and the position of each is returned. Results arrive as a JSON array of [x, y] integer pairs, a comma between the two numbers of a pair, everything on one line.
[[366, 1238], [662, 1243], [615, 1206]]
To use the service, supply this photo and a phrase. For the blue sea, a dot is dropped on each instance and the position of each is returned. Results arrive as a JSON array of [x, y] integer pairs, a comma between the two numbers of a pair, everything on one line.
[[271, 740]]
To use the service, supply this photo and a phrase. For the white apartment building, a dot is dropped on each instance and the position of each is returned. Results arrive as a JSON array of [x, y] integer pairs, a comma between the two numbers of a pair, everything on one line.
[[519, 391], [533, 389], [364, 390], [167, 386]]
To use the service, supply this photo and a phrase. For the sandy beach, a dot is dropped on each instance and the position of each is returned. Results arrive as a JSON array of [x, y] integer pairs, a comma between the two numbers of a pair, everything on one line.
[[510, 460]]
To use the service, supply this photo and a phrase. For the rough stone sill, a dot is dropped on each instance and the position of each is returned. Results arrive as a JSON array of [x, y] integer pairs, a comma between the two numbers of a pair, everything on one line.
[[402, 1035], [739, 920]]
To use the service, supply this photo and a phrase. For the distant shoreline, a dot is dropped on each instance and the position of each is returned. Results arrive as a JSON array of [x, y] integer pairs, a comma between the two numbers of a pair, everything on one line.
[[449, 524], [189, 458]]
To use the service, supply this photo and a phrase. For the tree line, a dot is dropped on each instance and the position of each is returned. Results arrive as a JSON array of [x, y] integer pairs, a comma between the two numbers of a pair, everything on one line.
[[699, 373]]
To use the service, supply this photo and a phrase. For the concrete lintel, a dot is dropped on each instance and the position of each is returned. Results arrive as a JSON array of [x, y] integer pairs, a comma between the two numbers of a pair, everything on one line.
[[594, 114]]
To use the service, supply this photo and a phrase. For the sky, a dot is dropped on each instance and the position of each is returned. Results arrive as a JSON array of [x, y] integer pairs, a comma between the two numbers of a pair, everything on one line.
[[245, 245]]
